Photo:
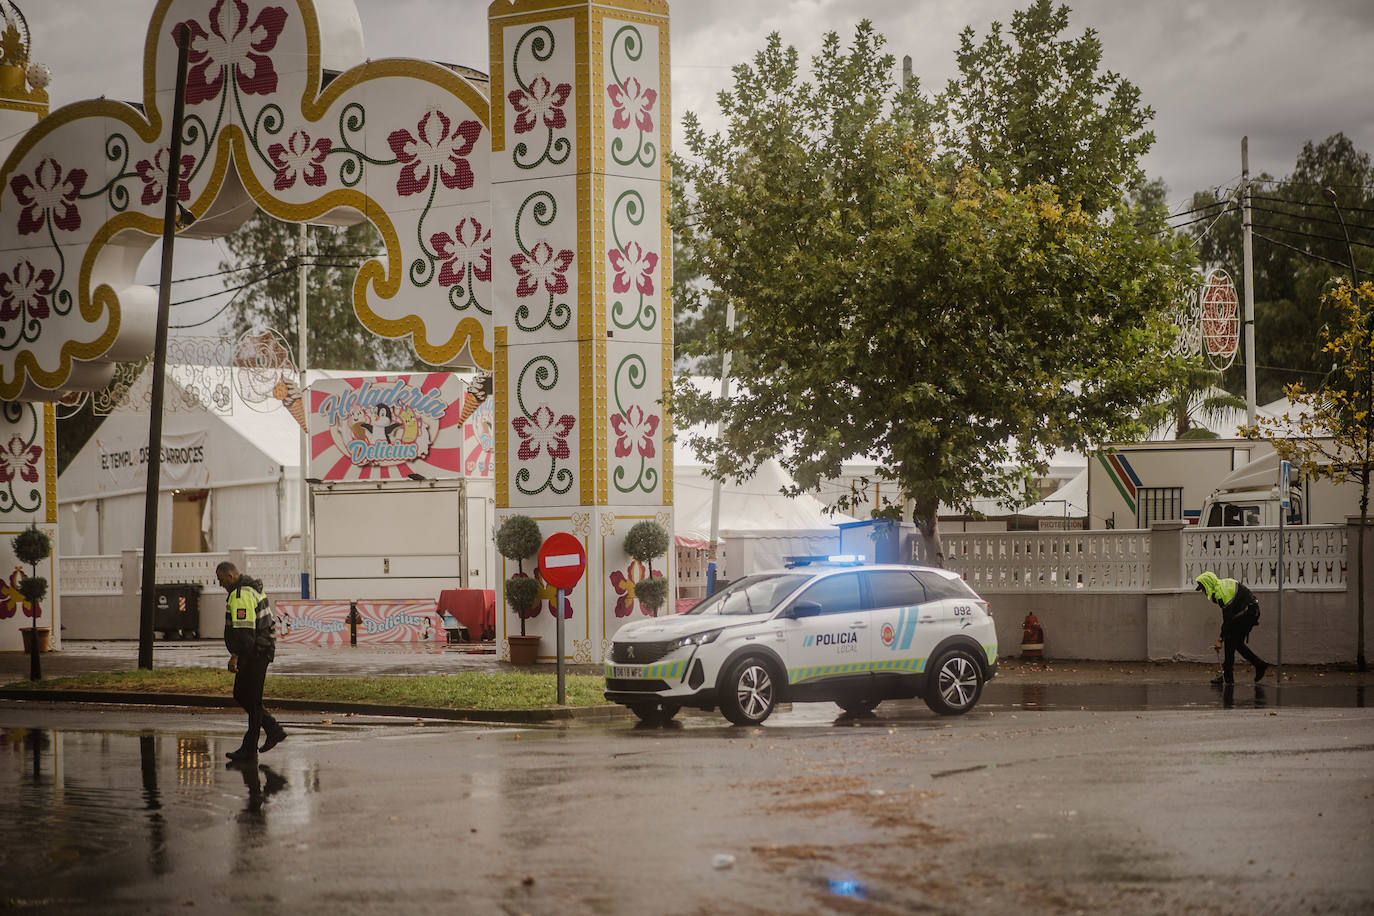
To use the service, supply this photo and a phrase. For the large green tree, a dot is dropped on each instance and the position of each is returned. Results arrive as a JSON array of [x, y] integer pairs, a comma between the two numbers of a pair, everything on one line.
[[1298, 252], [266, 250], [898, 296]]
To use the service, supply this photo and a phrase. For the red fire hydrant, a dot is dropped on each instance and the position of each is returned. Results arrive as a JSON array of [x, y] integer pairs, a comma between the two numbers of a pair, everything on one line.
[[1032, 638]]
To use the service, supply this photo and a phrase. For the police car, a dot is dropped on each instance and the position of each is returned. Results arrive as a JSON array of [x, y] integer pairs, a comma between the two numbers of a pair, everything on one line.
[[823, 631]]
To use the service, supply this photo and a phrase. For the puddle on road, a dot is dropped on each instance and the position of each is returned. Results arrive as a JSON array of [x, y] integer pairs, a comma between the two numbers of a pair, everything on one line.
[[122, 805]]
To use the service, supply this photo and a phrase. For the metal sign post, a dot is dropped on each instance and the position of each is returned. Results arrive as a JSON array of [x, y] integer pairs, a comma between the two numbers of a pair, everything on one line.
[[562, 561]]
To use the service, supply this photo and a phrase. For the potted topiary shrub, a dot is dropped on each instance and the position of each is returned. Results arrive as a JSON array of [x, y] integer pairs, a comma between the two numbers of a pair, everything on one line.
[[516, 539], [645, 541], [32, 546]]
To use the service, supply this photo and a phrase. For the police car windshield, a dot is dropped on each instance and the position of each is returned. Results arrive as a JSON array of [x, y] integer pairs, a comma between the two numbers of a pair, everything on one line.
[[751, 595]]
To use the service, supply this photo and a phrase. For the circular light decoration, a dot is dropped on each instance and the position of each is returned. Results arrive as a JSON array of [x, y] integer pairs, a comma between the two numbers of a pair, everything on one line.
[[1220, 320], [265, 374]]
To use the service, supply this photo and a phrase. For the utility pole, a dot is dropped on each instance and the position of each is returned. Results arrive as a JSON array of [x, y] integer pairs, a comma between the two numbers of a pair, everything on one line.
[[1249, 267], [715, 485], [301, 243], [170, 212]]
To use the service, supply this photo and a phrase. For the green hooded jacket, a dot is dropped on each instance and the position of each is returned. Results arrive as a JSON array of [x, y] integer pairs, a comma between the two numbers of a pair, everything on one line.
[[1239, 609]]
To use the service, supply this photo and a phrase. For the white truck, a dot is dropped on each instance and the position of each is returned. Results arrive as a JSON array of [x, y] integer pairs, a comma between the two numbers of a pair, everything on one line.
[[1249, 497]]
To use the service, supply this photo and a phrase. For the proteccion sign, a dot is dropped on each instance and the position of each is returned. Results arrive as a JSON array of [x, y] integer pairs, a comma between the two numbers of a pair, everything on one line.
[[562, 561]]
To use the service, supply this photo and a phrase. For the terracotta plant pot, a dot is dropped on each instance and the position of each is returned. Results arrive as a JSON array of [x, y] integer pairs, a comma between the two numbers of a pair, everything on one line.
[[44, 639], [524, 650]]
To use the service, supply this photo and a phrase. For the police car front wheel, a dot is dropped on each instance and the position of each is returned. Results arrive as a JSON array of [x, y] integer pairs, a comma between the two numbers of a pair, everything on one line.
[[748, 692]]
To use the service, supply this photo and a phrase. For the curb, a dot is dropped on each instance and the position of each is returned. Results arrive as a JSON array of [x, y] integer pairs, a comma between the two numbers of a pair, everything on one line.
[[604, 713]]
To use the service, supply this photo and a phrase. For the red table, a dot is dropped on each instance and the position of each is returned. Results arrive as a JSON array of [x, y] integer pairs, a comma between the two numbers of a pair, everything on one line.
[[474, 608]]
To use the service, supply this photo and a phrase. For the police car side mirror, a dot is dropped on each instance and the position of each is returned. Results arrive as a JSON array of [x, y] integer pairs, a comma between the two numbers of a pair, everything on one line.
[[802, 609]]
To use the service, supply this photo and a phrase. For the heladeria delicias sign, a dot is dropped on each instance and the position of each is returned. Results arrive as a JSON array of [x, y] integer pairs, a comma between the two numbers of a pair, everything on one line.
[[387, 428]]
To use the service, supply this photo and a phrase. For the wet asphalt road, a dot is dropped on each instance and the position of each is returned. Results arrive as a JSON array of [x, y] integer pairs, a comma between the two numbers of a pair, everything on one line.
[[1029, 804]]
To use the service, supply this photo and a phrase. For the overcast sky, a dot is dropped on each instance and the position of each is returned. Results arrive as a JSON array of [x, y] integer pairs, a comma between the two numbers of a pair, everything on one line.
[[1281, 71]]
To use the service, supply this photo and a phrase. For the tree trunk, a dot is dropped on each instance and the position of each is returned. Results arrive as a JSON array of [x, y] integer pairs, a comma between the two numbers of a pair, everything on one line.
[[925, 516]]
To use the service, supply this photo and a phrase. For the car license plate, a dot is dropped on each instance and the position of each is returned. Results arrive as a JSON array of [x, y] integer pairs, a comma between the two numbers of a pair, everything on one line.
[[626, 671]]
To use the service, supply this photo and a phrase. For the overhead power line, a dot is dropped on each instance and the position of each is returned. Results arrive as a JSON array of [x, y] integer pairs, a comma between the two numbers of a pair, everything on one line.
[[1303, 251], [1311, 235]]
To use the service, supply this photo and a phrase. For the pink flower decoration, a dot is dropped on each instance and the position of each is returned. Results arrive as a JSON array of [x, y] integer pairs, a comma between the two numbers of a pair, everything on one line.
[[231, 42], [49, 192], [435, 144], [543, 432], [25, 293], [17, 458], [540, 103], [299, 158], [634, 262], [634, 430], [541, 267], [550, 594], [462, 248], [154, 175], [624, 586], [11, 599], [632, 101]]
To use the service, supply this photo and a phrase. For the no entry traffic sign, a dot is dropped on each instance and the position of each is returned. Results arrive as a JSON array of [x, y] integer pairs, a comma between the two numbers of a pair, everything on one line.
[[562, 561]]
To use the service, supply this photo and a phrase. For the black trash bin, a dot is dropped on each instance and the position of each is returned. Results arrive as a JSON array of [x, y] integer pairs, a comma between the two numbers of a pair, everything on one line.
[[176, 612]]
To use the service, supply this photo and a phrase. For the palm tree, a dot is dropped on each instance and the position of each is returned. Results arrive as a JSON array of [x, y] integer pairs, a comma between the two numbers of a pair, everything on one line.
[[1195, 397]]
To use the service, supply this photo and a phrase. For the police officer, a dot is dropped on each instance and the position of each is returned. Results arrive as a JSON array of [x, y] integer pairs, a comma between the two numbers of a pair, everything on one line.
[[249, 637], [1240, 613]]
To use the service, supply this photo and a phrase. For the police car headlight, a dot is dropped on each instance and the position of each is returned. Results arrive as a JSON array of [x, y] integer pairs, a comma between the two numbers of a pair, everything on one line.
[[696, 639]]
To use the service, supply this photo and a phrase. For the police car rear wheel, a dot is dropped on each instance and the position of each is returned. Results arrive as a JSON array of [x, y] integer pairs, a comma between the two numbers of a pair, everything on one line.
[[956, 685], [748, 694]]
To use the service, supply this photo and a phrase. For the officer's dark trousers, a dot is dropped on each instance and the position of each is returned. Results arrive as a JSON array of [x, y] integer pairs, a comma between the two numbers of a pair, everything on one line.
[[248, 694], [1231, 644]]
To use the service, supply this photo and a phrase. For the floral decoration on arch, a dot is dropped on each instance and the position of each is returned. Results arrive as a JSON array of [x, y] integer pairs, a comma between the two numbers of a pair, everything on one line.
[[402, 143], [21, 457], [540, 269], [538, 102], [624, 585], [633, 102], [636, 429], [544, 453], [632, 266]]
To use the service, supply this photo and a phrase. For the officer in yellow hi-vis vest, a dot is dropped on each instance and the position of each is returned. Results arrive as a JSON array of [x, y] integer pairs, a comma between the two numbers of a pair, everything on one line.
[[249, 637]]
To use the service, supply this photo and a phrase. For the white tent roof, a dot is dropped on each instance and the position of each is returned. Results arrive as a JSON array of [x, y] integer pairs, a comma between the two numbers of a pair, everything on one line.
[[1069, 501], [757, 504]]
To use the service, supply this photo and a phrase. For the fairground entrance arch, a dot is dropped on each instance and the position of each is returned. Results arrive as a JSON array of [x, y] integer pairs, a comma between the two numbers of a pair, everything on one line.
[[523, 219]]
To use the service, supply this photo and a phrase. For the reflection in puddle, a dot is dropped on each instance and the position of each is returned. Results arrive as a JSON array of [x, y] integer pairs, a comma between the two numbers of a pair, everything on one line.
[[68, 801]]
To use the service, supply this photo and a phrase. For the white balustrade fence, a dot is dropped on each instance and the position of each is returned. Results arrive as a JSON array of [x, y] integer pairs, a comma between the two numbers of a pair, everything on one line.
[[1050, 561], [104, 575], [1314, 556]]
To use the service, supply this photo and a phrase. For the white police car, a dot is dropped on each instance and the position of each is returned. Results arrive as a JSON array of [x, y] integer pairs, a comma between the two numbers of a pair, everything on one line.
[[853, 635]]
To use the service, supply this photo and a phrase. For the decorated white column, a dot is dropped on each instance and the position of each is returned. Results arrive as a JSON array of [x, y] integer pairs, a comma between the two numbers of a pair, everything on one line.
[[580, 288]]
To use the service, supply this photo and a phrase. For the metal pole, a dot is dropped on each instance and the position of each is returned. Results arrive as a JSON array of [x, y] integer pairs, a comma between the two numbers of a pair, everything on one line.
[[1278, 664], [715, 485], [301, 243], [164, 299], [1249, 283], [558, 629]]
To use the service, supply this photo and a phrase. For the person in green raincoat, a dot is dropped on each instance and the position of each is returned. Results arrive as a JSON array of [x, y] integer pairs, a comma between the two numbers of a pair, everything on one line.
[[1240, 612]]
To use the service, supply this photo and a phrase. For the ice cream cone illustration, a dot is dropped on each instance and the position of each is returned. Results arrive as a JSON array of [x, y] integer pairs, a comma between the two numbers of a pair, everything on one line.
[[289, 393], [472, 399]]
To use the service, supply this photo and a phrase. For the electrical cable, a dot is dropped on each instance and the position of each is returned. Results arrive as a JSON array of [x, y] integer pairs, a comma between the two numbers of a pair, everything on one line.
[[1311, 235], [235, 290], [1315, 219], [1211, 216], [1342, 264], [1325, 205]]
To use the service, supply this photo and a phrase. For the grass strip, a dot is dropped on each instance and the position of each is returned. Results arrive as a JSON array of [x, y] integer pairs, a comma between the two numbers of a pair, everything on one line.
[[468, 690]]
